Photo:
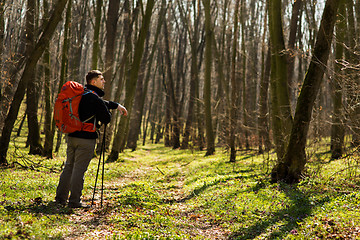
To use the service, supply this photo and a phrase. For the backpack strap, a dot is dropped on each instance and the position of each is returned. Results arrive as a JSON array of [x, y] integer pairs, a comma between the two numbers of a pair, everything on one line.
[[87, 91], [72, 115]]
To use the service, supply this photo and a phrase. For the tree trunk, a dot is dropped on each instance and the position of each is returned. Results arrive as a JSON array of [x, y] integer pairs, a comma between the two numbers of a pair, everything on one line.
[[96, 37], [138, 106], [79, 33], [49, 132], [199, 114], [2, 37], [111, 29], [152, 114], [246, 83], [33, 85], [289, 168], [291, 49], [210, 141], [2, 33], [30, 66], [48, 126], [281, 111], [150, 108], [234, 87], [353, 82], [263, 119], [156, 119], [337, 128], [170, 87]]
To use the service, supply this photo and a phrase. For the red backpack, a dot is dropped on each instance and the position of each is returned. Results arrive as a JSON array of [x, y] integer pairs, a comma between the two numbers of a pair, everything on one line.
[[66, 108]]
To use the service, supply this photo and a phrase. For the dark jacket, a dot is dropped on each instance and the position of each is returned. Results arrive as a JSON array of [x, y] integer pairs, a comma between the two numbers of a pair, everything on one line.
[[93, 109]]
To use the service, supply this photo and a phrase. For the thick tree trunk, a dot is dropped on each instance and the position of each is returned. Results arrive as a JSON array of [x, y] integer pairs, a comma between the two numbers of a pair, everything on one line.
[[210, 141], [32, 93], [30, 66], [289, 168], [281, 111]]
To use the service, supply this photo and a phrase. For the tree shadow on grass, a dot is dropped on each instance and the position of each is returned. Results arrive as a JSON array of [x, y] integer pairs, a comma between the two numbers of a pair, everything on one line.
[[300, 208], [207, 184]]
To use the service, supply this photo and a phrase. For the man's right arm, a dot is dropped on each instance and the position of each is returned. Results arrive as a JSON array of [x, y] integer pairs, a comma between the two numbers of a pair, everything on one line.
[[101, 111]]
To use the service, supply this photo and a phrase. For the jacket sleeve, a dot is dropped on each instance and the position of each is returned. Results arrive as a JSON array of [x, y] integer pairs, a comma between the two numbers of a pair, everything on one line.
[[111, 105], [102, 111]]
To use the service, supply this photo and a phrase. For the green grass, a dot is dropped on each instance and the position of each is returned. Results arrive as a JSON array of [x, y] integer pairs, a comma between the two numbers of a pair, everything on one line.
[[160, 193]]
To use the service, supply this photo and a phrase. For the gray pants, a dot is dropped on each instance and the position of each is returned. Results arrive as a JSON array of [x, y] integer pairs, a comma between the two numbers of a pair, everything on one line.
[[79, 154]]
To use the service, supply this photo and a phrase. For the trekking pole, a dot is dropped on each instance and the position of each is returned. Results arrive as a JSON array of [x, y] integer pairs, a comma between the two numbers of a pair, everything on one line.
[[103, 165], [102, 154]]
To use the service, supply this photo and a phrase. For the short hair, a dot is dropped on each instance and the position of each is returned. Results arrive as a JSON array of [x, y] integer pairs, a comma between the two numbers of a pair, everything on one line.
[[91, 75]]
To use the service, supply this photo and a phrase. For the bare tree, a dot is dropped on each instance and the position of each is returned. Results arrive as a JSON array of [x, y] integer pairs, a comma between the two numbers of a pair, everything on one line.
[[290, 167]]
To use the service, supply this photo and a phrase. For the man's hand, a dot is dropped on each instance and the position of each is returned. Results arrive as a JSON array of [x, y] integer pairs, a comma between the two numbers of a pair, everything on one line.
[[123, 110]]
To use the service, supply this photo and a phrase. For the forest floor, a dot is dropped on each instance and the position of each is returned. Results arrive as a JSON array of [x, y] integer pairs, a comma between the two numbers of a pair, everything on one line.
[[159, 193]]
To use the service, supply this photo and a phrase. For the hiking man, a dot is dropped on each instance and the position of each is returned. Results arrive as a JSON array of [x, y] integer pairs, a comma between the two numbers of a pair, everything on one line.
[[81, 144]]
